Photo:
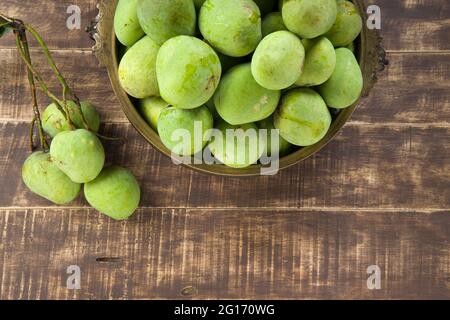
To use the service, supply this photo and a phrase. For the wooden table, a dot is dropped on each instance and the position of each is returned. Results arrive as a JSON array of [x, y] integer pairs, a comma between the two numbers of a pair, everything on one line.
[[377, 195]]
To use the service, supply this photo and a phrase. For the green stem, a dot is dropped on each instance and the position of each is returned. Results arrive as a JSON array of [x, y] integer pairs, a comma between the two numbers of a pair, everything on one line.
[[31, 134], [22, 45], [43, 86], [57, 72], [50, 60]]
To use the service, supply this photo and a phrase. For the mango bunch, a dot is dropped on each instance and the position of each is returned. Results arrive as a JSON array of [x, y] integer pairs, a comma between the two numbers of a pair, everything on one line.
[[77, 157], [239, 64]]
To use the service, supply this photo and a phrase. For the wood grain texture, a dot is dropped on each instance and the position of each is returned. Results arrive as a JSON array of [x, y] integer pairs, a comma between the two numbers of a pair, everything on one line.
[[375, 166], [414, 89], [179, 254], [408, 25], [49, 18]]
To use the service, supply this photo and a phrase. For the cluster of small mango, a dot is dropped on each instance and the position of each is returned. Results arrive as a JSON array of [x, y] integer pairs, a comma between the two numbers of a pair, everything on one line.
[[239, 64], [77, 157]]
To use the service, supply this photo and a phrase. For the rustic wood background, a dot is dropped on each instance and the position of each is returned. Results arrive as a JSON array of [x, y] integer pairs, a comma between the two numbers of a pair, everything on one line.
[[377, 195]]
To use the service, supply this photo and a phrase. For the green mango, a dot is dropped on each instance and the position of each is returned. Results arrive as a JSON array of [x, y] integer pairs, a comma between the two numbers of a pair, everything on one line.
[[309, 18], [283, 148], [348, 25], [237, 146], [137, 69], [232, 27], [126, 23], [188, 72], [240, 99], [303, 117], [278, 61], [185, 132], [271, 23], [320, 62], [54, 121], [164, 19], [79, 154], [41, 175], [150, 109], [344, 87], [115, 193]]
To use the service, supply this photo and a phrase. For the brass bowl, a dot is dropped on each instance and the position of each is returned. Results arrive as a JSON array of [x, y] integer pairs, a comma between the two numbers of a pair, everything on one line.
[[370, 54]]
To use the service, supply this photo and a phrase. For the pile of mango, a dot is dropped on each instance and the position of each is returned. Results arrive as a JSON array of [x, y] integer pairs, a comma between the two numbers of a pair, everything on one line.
[[239, 64]]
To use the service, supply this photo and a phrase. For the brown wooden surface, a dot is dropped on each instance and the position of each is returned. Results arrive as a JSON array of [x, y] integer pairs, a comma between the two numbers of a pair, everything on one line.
[[377, 195]]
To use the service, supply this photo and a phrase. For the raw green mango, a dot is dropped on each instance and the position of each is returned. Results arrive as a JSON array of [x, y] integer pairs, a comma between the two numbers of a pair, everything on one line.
[[185, 132], [303, 117], [115, 193], [348, 25], [79, 154], [344, 87], [188, 72], [150, 109], [309, 18], [233, 27], [126, 23], [54, 121], [319, 64], [237, 146], [41, 175], [283, 148], [240, 99], [137, 69], [271, 23], [278, 60], [164, 19]]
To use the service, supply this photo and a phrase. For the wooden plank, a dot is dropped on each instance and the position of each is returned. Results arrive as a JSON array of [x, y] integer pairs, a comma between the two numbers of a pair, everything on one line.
[[415, 25], [49, 18], [370, 166], [412, 25], [199, 254], [414, 89]]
